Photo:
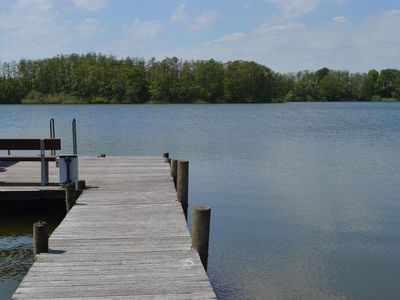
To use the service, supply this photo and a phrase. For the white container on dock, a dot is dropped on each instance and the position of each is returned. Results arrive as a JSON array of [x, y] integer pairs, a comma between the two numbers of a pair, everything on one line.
[[68, 165]]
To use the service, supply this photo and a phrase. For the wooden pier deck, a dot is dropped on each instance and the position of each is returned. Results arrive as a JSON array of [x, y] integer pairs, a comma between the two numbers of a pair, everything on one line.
[[126, 238]]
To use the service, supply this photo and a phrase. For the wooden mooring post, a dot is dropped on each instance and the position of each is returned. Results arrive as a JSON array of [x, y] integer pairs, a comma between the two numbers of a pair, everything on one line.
[[201, 232], [40, 238], [174, 169], [166, 156], [182, 184], [70, 196], [80, 185]]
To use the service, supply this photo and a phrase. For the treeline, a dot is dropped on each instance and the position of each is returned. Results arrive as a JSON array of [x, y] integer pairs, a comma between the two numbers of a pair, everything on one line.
[[97, 78]]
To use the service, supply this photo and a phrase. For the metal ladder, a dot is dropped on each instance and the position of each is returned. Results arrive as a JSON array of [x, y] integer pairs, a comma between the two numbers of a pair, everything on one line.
[[74, 136]]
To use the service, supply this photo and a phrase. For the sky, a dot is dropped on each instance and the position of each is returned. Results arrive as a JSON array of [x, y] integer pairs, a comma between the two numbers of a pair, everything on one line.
[[285, 35]]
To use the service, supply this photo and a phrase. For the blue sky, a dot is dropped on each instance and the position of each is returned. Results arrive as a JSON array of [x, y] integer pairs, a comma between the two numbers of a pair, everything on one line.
[[286, 35]]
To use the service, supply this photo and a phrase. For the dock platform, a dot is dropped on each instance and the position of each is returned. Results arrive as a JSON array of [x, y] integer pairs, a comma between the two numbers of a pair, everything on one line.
[[126, 237]]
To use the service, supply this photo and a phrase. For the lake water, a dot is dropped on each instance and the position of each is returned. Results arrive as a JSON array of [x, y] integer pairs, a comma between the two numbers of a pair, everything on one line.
[[16, 247], [305, 196]]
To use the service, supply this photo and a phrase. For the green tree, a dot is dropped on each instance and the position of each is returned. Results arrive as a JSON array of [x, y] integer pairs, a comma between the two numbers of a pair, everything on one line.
[[95, 77], [135, 80], [306, 88], [246, 81], [283, 87], [386, 82], [335, 86], [209, 80], [187, 87], [163, 79]]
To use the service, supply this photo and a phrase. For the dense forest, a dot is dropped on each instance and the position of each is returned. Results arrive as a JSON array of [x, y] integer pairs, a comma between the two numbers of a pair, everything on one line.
[[97, 78]]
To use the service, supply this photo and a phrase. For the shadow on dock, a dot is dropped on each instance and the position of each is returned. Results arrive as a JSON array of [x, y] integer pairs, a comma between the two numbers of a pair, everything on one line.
[[6, 164]]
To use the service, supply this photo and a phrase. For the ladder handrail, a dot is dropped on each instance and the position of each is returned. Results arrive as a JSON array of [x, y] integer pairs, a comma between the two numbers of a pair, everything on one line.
[[74, 140], [52, 133]]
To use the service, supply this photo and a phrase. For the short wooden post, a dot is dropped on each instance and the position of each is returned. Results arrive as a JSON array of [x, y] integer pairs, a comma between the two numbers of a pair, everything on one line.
[[201, 232], [182, 184], [174, 169], [70, 196], [166, 156], [80, 185], [40, 238]]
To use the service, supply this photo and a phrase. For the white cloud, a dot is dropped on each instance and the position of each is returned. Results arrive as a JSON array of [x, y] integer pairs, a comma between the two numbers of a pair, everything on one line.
[[292, 47], [340, 19], [39, 5], [321, 45], [90, 5], [392, 12], [232, 37], [206, 19], [146, 30], [295, 8], [31, 20], [33, 29], [89, 26], [43, 28], [179, 14], [267, 28]]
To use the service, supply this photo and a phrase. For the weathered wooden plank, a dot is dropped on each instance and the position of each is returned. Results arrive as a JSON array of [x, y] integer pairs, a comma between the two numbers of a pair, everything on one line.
[[164, 296], [112, 289], [188, 257], [58, 269]]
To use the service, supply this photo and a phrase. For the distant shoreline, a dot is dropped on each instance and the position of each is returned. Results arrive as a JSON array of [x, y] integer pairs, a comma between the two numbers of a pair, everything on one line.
[[99, 79], [193, 103]]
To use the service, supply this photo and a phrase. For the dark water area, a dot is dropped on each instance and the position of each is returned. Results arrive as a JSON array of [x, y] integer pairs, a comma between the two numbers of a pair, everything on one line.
[[16, 246], [304, 196]]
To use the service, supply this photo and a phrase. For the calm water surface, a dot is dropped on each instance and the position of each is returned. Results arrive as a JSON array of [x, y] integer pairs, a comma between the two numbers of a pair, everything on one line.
[[304, 196], [16, 247]]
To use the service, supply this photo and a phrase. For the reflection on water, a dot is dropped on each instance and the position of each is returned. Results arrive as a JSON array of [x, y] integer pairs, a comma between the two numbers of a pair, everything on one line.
[[16, 247], [304, 196]]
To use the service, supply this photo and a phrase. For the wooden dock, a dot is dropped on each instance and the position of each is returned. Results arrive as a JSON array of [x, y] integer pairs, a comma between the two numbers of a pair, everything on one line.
[[20, 188], [126, 238]]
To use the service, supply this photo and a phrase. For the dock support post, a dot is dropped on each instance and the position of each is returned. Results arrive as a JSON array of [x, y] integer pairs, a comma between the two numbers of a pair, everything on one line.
[[174, 169], [70, 196], [40, 238], [166, 156], [201, 232], [182, 184]]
